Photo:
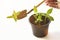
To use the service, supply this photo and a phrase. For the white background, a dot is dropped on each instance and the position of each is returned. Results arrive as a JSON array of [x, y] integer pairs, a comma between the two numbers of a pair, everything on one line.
[[21, 30]]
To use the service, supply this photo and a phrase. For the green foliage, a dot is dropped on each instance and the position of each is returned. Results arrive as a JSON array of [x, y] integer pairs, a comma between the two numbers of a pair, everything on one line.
[[35, 10], [38, 16], [14, 15], [49, 11], [51, 18]]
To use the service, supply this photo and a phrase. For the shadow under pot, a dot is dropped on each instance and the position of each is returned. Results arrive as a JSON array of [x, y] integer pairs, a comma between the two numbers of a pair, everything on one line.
[[39, 29]]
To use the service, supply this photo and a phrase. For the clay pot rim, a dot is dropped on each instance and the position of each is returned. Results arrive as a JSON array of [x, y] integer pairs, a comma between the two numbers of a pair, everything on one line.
[[40, 24]]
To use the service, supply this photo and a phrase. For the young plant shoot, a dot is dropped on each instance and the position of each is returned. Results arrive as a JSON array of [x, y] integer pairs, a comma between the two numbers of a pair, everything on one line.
[[14, 15], [38, 16]]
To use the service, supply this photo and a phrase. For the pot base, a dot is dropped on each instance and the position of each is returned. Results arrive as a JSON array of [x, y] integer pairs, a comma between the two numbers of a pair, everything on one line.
[[40, 36]]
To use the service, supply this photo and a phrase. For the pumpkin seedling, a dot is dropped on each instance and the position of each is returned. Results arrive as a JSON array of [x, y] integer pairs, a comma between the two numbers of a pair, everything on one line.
[[38, 16]]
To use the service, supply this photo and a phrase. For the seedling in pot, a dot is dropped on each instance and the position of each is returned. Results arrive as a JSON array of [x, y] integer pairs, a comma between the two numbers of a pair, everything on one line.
[[38, 16], [40, 22]]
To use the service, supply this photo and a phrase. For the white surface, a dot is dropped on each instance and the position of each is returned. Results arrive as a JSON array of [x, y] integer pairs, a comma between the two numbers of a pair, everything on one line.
[[21, 30]]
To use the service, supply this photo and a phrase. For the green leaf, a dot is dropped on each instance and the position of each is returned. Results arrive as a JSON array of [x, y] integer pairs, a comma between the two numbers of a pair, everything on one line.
[[35, 9], [43, 14], [49, 11], [51, 18], [15, 16], [39, 18], [9, 17]]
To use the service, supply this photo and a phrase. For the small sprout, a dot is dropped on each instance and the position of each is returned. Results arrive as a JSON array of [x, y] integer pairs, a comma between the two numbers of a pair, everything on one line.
[[38, 16], [14, 15], [49, 11], [35, 10], [38, 19]]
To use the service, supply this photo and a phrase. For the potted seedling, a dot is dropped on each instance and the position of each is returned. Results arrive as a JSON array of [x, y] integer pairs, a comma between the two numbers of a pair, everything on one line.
[[40, 22]]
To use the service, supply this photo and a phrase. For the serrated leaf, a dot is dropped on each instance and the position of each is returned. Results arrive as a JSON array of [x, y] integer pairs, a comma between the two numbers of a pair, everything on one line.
[[49, 11]]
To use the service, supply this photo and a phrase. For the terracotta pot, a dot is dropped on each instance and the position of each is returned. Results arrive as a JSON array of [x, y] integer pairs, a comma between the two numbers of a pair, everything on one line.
[[39, 29]]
